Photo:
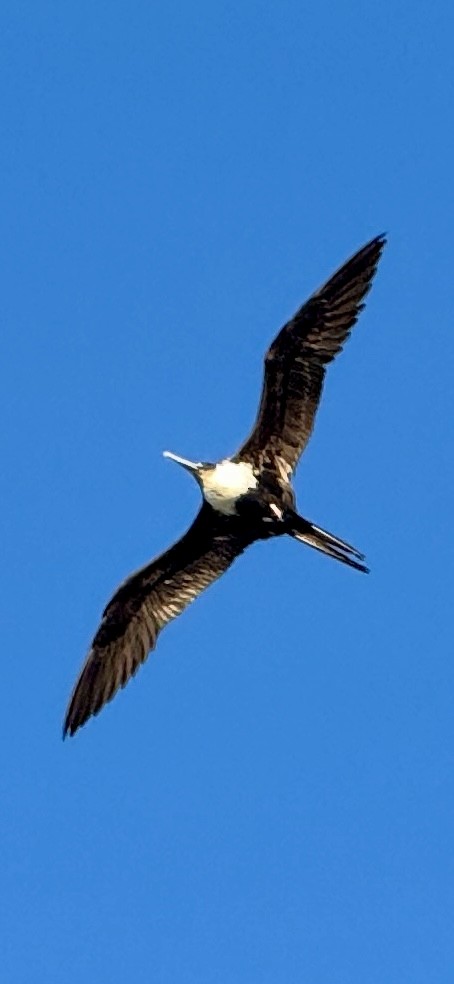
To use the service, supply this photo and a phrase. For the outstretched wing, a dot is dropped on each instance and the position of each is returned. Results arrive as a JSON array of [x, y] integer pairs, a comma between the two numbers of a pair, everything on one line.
[[295, 363], [145, 603]]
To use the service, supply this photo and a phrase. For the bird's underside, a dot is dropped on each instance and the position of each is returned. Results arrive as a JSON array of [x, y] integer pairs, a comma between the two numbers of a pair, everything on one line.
[[248, 497]]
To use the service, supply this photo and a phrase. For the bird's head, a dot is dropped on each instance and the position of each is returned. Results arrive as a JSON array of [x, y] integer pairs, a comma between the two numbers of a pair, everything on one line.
[[196, 468]]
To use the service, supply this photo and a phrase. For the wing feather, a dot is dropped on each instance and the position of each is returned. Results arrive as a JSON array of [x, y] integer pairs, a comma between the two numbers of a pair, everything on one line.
[[295, 363], [145, 603]]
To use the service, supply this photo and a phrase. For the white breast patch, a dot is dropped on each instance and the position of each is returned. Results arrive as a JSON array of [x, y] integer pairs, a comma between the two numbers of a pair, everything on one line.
[[226, 483]]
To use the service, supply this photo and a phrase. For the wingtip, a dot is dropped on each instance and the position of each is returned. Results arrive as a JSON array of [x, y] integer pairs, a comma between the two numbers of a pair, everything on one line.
[[73, 721], [67, 731], [70, 729], [380, 240]]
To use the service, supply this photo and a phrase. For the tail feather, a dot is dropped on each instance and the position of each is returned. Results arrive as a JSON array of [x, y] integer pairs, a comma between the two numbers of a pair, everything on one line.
[[328, 537], [306, 532]]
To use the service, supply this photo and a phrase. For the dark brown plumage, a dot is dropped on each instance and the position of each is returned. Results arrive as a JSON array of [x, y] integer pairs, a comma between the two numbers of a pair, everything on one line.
[[145, 603], [295, 362], [247, 497]]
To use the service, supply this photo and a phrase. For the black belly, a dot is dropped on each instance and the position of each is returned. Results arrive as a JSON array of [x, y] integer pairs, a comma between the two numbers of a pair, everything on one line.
[[261, 509]]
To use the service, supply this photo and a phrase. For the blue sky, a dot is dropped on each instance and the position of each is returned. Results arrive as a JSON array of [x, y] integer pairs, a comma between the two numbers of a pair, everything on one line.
[[272, 798]]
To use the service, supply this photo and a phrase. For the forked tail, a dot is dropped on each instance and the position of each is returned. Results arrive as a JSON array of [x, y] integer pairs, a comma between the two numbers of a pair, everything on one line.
[[328, 544]]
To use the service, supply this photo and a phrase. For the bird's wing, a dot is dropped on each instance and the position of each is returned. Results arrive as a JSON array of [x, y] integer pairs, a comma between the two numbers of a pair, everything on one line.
[[145, 603], [295, 363]]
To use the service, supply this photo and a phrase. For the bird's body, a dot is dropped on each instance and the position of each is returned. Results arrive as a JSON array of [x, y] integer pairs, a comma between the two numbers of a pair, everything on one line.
[[238, 489], [246, 497]]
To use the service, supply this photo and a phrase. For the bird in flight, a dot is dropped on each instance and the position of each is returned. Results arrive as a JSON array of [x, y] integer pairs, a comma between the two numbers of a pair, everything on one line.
[[247, 497]]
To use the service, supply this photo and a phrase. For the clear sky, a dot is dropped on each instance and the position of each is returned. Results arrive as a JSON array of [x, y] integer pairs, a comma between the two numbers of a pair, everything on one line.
[[271, 799]]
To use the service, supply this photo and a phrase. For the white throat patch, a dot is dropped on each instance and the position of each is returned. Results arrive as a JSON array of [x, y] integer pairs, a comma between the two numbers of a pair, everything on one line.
[[226, 483]]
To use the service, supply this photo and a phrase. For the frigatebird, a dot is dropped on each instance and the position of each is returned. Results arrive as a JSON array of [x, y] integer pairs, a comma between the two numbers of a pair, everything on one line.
[[246, 497]]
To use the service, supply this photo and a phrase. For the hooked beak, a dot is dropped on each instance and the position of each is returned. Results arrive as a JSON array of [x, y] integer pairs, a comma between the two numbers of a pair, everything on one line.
[[191, 466]]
